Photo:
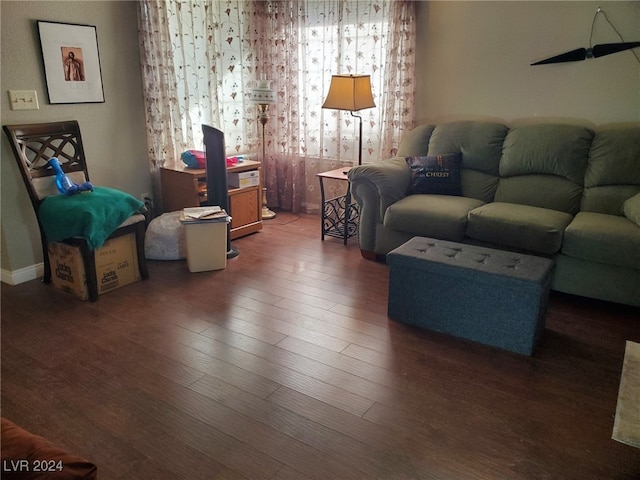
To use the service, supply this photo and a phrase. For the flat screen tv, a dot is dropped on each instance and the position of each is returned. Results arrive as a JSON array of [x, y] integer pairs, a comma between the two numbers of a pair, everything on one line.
[[216, 171]]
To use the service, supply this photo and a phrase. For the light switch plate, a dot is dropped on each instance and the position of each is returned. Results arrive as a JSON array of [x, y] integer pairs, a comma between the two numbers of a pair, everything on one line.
[[23, 100]]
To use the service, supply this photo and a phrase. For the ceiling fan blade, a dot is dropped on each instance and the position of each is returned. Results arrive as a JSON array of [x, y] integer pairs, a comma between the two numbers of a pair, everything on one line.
[[572, 56], [609, 48]]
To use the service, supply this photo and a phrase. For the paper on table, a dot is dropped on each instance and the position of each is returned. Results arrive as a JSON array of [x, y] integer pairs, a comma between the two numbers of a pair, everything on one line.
[[201, 212]]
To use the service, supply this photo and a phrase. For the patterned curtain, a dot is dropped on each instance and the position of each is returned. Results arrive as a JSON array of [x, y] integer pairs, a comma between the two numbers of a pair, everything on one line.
[[163, 116], [201, 60]]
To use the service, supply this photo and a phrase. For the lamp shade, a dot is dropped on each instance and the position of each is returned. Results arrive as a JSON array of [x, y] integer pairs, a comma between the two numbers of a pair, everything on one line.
[[263, 94], [349, 92]]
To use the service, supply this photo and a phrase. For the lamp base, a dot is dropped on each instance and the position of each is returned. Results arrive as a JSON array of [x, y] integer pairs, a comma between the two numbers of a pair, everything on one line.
[[266, 213]]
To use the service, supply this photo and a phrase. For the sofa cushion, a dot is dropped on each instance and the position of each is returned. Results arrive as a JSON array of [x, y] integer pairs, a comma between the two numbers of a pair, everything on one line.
[[438, 216], [480, 143], [439, 174], [416, 141], [612, 174], [543, 166], [631, 209], [544, 191], [479, 185], [598, 237], [613, 158], [549, 149], [521, 227], [607, 198]]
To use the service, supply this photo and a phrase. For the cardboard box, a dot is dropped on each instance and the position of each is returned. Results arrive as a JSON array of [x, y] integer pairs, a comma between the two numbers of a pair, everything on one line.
[[67, 270], [243, 179], [116, 266], [117, 263]]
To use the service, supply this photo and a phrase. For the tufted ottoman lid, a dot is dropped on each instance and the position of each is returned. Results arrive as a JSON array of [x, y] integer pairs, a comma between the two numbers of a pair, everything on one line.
[[487, 265]]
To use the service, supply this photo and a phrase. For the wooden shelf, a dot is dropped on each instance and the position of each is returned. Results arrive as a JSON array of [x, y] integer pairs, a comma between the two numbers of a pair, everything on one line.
[[187, 187]]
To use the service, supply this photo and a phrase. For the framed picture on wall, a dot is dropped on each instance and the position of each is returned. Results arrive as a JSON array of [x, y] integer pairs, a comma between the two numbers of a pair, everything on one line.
[[71, 62]]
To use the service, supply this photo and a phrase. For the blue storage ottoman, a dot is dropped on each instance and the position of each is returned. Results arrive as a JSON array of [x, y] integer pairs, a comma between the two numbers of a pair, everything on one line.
[[489, 296]]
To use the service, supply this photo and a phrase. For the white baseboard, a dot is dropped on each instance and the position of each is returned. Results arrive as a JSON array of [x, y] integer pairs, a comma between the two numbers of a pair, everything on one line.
[[22, 275]]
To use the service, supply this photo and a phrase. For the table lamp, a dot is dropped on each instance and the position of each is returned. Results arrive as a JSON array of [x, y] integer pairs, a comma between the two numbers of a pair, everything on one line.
[[352, 93]]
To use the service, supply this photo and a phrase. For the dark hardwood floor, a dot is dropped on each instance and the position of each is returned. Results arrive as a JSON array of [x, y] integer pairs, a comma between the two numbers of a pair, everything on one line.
[[285, 366]]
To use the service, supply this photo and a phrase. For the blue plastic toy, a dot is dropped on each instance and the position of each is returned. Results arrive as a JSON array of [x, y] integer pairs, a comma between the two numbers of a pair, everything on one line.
[[64, 183]]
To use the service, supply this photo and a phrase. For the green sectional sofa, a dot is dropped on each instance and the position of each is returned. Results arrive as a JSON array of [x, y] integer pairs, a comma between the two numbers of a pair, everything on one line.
[[561, 191]]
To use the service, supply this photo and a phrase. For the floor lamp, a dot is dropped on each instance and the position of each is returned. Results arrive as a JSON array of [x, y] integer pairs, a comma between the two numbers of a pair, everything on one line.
[[352, 93], [264, 96]]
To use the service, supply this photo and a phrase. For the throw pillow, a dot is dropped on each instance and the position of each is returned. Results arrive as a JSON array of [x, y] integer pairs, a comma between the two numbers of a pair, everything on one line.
[[631, 209], [439, 174]]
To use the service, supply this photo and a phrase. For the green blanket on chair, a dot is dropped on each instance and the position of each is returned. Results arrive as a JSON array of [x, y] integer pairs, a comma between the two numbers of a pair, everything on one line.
[[91, 215]]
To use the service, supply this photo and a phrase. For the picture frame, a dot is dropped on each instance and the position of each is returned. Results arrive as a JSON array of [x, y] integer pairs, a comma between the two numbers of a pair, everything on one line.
[[71, 62]]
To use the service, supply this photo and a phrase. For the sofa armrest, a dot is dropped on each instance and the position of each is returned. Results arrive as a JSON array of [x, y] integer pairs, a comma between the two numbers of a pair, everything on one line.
[[631, 209], [375, 187]]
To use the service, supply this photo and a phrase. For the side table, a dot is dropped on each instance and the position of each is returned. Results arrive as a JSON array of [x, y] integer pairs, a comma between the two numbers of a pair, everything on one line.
[[339, 214]]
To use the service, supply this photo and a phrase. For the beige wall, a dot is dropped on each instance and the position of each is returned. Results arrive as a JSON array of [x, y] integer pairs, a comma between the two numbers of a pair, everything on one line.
[[473, 61], [113, 132]]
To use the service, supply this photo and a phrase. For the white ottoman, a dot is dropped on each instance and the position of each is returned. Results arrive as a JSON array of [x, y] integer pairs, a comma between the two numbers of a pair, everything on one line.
[[165, 238]]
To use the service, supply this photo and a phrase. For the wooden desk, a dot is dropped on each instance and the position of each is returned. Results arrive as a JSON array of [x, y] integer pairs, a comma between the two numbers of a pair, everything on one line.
[[187, 187]]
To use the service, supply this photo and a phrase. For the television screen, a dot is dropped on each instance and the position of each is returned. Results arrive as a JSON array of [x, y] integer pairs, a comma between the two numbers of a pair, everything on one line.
[[216, 172], [216, 167]]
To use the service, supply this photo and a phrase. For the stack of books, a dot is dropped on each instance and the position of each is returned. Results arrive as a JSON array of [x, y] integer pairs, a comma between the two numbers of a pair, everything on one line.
[[204, 214]]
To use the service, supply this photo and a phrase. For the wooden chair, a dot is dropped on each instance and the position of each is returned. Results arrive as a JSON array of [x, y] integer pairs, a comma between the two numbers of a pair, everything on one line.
[[33, 145]]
